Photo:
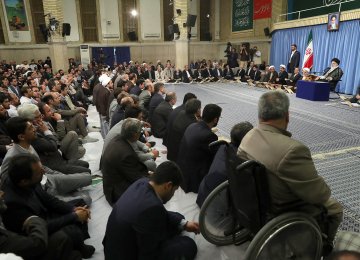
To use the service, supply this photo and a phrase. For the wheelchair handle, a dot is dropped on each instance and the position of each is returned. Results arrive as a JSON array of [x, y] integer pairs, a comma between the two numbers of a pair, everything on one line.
[[218, 143]]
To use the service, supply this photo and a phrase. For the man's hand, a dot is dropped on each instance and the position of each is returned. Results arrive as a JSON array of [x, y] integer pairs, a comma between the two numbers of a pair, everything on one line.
[[155, 153], [83, 214], [41, 126], [191, 226], [56, 116]]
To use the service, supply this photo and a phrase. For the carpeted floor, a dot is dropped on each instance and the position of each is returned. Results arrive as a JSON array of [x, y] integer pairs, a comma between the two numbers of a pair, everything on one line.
[[330, 129]]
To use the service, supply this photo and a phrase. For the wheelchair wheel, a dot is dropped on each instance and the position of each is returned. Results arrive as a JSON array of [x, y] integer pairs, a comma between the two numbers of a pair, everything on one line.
[[291, 235], [217, 221]]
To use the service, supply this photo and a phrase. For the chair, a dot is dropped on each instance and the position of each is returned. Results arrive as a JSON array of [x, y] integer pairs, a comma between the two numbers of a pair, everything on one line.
[[238, 210]]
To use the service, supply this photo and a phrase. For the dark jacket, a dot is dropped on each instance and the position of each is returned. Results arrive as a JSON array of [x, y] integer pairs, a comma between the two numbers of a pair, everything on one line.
[[136, 90], [195, 157], [217, 73], [139, 231], [160, 118], [120, 167], [176, 132], [185, 77], [156, 99], [273, 78], [294, 62]]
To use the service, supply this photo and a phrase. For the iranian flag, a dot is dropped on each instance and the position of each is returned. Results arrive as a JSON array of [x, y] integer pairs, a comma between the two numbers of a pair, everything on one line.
[[309, 53]]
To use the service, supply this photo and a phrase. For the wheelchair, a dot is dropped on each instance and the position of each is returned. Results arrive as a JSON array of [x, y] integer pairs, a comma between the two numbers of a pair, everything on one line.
[[226, 217]]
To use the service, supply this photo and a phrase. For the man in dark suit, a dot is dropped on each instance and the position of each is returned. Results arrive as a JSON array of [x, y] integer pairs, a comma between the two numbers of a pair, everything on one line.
[[175, 112], [14, 88], [149, 73], [294, 78], [161, 115], [194, 156], [157, 98], [217, 73], [294, 59], [177, 129], [249, 72], [228, 73], [139, 226], [187, 75], [136, 90], [218, 170], [25, 197], [256, 75], [282, 76], [120, 165]]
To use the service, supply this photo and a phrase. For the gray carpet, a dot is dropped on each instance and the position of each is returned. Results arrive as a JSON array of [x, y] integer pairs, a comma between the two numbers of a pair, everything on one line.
[[331, 131]]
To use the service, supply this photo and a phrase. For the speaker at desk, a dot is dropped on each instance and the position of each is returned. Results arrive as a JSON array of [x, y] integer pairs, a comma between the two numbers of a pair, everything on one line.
[[267, 31], [132, 36], [66, 29], [191, 20]]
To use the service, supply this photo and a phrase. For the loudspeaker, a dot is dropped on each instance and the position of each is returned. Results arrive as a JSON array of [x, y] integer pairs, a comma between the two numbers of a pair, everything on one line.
[[132, 36], [191, 20], [208, 37], [44, 31], [66, 29], [267, 31]]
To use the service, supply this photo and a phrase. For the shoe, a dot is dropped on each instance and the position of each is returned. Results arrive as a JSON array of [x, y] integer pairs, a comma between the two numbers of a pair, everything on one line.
[[87, 251], [81, 152], [88, 139]]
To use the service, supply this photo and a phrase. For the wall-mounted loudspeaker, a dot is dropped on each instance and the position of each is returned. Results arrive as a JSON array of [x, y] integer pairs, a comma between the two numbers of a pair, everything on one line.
[[267, 31], [66, 30], [191, 20], [132, 36]]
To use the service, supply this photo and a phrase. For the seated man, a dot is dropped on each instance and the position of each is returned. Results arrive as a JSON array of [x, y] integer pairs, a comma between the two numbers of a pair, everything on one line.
[[194, 157], [294, 78], [25, 197], [282, 75], [332, 74], [228, 73], [22, 132], [34, 242], [119, 164], [218, 169], [161, 115], [139, 226], [356, 97], [294, 184]]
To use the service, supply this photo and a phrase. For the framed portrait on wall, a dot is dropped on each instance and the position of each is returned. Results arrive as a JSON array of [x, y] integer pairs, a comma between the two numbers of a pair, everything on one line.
[[333, 21], [16, 15]]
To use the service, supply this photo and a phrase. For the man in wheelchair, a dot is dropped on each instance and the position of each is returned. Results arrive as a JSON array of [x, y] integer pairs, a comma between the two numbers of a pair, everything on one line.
[[294, 184]]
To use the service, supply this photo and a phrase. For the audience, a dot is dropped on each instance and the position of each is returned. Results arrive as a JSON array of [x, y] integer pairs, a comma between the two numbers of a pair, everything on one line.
[[195, 157], [139, 226], [157, 98]]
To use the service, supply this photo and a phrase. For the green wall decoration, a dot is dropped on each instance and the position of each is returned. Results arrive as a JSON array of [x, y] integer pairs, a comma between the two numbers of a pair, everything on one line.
[[242, 15]]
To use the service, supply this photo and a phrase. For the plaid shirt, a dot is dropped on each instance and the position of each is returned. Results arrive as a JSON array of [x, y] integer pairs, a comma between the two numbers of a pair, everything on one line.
[[346, 240]]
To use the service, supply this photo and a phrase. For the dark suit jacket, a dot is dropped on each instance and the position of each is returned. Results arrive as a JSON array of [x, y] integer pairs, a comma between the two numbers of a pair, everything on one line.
[[177, 74], [146, 74], [156, 99], [176, 131], [240, 73], [256, 76], [139, 224], [294, 62], [282, 76], [195, 157], [171, 120], [185, 77], [293, 79], [273, 78], [136, 90], [227, 75], [217, 73], [120, 167], [160, 118], [23, 203], [206, 73], [119, 114]]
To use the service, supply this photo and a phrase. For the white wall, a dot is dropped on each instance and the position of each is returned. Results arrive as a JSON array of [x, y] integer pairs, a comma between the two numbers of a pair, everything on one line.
[[70, 16], [150, 19], [18, 36], [109, 17]]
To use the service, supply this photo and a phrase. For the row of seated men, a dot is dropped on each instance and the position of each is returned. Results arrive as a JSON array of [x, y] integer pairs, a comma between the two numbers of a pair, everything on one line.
[[43, 128], [186, 132]]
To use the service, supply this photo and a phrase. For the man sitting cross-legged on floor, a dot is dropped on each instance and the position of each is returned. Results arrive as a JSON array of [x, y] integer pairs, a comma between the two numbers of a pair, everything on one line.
[[25, 197], [120, 165], [22, 132], [139, 226], [294, 183]]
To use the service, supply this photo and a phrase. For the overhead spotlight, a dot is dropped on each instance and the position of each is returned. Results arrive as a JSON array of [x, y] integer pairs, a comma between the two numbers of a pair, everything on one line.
[[207, 15], [178, 11], [134, 12]]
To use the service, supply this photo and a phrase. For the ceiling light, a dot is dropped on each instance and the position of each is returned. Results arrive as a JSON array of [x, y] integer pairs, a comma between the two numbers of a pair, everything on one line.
[[134, 12]]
